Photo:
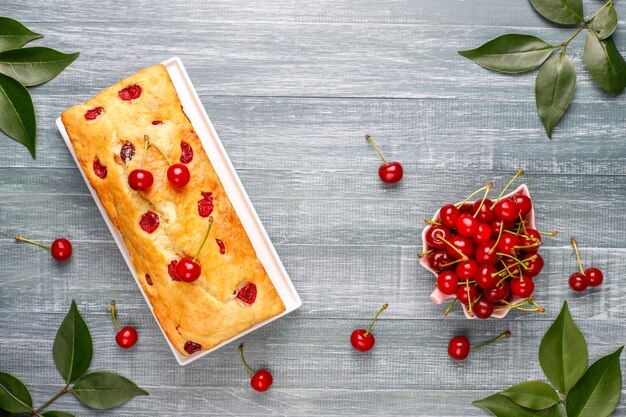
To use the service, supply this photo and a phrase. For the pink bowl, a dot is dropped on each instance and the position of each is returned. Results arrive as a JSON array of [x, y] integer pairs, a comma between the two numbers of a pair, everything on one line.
[[437, 296]]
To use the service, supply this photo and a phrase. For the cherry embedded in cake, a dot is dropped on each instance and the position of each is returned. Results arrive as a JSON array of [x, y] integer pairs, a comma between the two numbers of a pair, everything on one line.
[[192, 347], [205, 205], [127, 152], [157, 122], [492, 247], [171, 270], [148, 279], [94, 113], [149, 222], [132, 92], [247, 293], [221, 245], [99, 169], [186, 152]]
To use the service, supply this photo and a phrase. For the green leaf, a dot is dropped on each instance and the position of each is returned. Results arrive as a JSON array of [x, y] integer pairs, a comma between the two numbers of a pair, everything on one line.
[[605, 22], [554, 89], [72, 349], [597, 392], [535, 395], [57, 414], [564, 12], [104, 390], [33, 66], [563, 352], [501, 406], [17, 114], [14, 35], [510, 53], [604, 62], [14, 396]]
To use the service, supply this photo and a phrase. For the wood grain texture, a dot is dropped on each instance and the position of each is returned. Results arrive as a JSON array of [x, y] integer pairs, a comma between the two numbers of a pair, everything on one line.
[[292, 86]]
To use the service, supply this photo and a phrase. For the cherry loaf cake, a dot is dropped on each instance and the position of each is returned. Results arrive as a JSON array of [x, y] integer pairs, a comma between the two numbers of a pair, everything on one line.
[[138, 126]]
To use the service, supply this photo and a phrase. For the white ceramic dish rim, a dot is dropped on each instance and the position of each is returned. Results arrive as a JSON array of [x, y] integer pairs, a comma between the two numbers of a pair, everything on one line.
[[437, 296], [234, 189]]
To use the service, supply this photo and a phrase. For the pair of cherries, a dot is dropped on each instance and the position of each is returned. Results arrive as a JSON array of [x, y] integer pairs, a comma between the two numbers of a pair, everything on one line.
[[590, 277], [141, 179]]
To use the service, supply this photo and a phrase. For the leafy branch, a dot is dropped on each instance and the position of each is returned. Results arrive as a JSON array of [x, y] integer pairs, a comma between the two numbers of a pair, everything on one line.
[[21, 68], [584, 391], [72, 351], [556, 80]]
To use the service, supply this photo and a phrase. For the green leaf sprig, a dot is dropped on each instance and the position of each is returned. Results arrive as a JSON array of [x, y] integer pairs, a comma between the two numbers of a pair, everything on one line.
[[556, 80], [72, 351], [21, 68], [585, 392]]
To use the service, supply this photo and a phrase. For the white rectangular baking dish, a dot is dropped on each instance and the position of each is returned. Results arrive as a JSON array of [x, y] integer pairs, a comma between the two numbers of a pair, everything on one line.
[[234, 189]]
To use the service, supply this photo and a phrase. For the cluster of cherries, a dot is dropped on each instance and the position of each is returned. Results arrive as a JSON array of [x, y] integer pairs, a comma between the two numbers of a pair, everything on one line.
[[485, 253]]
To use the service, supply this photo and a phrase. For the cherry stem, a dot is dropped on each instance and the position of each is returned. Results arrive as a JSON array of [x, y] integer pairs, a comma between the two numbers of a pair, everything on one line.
[[245, 365], [580, 264], [146, 145], [463, 257], [447, 310], [369, 138], [519, 174], [480, 206], [369, 329], [519, 262], [552, 233], [495, 339], [206, 236], [487, 187], [20, 238], [150, 144], [469, 299], [452, 263], [432, 222], [114, 315], [422, 254], [498, 239]]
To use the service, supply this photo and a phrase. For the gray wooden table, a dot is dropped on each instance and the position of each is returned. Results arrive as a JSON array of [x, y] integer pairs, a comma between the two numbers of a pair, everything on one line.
[[291, 87]]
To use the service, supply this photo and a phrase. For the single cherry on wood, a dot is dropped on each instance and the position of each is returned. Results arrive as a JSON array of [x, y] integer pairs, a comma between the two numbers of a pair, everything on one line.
[[459, 347], [261, 380], [363, 340], [61, 249], [187, 269], [590, 277], [126, 337], [389, 172]]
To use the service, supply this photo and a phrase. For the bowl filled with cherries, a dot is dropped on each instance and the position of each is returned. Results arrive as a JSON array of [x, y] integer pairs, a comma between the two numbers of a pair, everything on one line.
[[484, 253]]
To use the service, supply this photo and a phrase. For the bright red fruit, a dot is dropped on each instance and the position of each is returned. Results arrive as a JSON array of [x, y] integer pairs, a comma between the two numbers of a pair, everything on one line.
[[131, 92], [459, 348], [391, 172], [149, 222], [140, 179], [464, 247], [449, 215], [178, 175], [447, 282], [483, 308], [188, 270], [434, 234], [522, 288], [524, 203], [484, 255], [61, 249], [261, 380], [93, 114], [126, 337], [466, 270], [466, 225], [363, 340], [485, 214], [497, 293], [578, 282], [506, 210], [483, 233], [247, 293], [533, 266], [594, 276], [487, 276], [462, 293], [99, 169]]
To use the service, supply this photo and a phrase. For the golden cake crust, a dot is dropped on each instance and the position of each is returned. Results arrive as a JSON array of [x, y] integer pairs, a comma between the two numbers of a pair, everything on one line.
[[207, 311]]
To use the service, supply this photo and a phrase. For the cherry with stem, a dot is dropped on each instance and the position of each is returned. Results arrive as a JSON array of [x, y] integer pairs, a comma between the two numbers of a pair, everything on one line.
[[459, 347], [363, 340], [127, 336], [177, 174], [261, 380], [60, 249], [389, 172], [187, 269]]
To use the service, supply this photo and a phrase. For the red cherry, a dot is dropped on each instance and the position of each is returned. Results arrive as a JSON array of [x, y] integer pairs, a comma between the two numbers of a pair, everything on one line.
[[459, 348], [149, 222], [126, 337], [178, 175], [530, 241], [188, 270], [507, 243], [192, 347], [506, 210], [533, 266], [524, 203], [447, 282], [261, 380], [448, 215], [61, 249], [483, 308], [93, 114], [140, 179], [466, 270], [497, 293], [131, 92], [127, 151], [466, 225], [483, 233], [484, 256], [434, 234], [439, 257], [391, 172], [363, 340], [495, 227], [594, 276], [247, 293], [463, 245], [578, 282], [462, 295], [522, 288], [485, 214], [186, 153], [99, 169], [487, 276]]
